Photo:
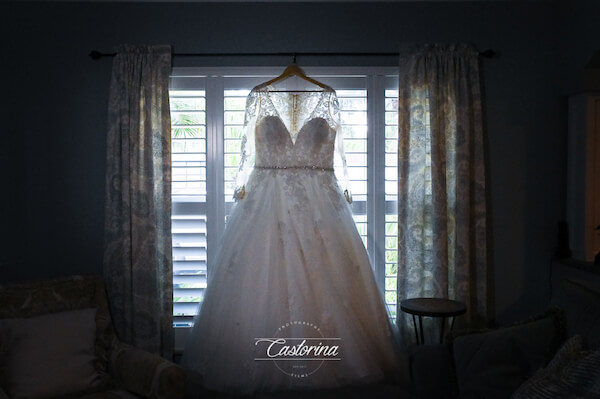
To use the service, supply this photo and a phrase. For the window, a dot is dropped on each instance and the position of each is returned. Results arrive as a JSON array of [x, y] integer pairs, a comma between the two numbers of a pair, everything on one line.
[[207, 112]]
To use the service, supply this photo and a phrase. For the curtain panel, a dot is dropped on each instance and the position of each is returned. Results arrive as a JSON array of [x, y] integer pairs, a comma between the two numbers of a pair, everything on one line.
[[441, 181], [137, 239]]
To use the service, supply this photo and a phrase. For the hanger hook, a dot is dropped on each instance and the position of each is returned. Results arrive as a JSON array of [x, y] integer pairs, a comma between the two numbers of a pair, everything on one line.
[[294, 58]]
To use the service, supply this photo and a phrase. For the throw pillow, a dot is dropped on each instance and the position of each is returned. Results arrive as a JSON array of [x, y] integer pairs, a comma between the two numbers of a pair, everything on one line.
[[48, 356], [582, 299], [493, 364], [572, 373], [568, 353]]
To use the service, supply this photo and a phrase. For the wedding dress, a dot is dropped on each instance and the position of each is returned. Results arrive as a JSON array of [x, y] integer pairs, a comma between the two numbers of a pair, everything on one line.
[[292, 301]]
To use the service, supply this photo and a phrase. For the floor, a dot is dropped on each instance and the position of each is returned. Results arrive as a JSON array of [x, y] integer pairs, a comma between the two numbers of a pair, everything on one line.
[[368, 392]]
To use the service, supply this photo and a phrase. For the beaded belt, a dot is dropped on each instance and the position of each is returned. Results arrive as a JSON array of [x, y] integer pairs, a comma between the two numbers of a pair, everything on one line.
[[296, 167]]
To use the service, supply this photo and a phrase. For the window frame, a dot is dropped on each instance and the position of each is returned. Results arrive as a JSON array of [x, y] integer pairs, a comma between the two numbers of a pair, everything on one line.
[[215, 80]]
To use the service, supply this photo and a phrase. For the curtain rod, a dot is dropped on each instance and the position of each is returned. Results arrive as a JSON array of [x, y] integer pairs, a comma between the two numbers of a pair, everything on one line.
[[96, 55]]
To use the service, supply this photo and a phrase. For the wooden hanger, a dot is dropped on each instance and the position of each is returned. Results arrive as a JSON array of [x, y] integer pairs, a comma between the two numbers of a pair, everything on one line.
[[294, 70]]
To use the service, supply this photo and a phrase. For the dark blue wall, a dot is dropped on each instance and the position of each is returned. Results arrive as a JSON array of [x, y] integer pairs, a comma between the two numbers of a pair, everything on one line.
[[54, 113]]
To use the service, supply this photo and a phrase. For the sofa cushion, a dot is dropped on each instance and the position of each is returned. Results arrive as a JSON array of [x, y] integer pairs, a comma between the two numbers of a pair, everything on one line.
[[573, 372], [581, 301], [493, 364], [49, 355]]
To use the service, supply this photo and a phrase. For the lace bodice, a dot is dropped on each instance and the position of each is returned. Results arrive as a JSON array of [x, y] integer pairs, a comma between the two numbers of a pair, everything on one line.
[[276, 147], [291, 130]]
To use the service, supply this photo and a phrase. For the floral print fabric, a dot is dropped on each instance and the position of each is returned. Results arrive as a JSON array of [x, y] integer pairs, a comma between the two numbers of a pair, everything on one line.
[[441, 185], [137, 245]]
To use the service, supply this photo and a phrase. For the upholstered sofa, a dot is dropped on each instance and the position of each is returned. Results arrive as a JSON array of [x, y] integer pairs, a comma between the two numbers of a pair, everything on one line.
[[57, 341], [554, 354]]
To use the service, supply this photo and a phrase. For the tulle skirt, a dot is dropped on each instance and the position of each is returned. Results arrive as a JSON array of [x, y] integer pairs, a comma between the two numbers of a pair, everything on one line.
[[292, 301]]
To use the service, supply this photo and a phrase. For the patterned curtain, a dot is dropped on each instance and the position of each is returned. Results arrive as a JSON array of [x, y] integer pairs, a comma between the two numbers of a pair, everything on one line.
[[441, 188], [137, 239]]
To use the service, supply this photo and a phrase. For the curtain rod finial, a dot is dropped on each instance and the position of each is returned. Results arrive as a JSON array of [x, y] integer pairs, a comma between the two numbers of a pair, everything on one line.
[[95, 55], [488, 53]]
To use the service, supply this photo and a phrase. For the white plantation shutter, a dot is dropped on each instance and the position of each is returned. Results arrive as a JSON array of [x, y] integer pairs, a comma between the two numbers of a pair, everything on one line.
[[354, 120], [208, 107], [391, 199], [189, 196], [234, 108]]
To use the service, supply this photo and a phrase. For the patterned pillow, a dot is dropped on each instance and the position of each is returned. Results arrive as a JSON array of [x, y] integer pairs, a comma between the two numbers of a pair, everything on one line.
[[572, 373], [48, 356], [493, 364]]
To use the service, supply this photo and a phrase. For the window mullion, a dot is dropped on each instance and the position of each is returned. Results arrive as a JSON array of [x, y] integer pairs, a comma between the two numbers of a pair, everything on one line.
[[376, 171], [214, 168]]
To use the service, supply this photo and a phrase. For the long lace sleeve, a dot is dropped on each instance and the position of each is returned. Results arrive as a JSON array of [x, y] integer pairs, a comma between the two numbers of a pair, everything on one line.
[[339, 161], [247, 150]]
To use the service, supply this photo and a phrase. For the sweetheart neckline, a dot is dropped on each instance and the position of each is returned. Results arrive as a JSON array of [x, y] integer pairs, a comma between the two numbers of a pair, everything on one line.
[[287, 132]]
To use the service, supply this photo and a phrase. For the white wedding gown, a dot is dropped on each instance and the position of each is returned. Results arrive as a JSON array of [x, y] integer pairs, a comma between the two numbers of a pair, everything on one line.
[[292, 264]]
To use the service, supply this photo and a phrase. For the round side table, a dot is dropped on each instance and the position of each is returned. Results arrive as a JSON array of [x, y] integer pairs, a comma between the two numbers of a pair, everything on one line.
[[432, 307]]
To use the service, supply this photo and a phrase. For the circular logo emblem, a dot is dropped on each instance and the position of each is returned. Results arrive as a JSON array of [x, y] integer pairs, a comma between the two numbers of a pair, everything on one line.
[[298, 349]]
